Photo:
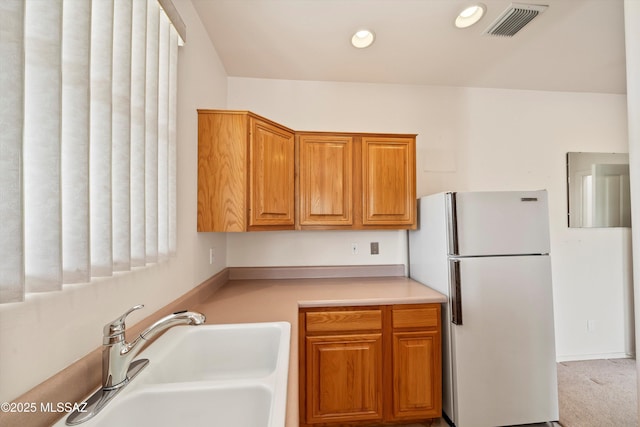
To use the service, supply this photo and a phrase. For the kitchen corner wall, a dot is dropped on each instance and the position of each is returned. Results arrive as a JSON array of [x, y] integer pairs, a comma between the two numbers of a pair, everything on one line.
[[50, 331], [470, 139]]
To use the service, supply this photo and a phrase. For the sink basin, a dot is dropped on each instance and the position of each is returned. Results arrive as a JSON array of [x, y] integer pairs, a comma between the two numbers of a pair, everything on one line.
[[232, 375], [238, 406], [215, 352]]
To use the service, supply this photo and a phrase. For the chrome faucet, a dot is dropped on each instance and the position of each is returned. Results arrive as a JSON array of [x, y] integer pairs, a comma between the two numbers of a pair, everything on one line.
[[118, 367], [117, 353]]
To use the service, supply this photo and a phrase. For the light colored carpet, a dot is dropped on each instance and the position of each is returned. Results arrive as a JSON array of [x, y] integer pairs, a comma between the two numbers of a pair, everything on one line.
[[598, 393], [592, 393], [440, 422]]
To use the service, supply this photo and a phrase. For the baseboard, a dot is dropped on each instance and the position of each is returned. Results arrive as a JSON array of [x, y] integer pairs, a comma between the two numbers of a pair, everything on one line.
[[315, 272], [577, 357]]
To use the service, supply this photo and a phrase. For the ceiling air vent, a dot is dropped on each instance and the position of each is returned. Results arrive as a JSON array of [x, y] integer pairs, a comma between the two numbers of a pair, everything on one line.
[[514, 18]]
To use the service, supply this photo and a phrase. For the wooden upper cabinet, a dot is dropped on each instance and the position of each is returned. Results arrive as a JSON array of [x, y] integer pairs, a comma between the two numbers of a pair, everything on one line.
[[356, 181], [388, 181], [326, 179], [255, 174], [245, 172], [271, 168]]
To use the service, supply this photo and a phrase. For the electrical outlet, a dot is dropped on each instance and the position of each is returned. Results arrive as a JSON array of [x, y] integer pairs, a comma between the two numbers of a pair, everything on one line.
[[211, 256], [374, 248], [354, 249]]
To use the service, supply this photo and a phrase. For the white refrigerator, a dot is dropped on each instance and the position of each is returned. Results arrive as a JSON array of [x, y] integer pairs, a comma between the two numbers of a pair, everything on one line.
[[489, 253]]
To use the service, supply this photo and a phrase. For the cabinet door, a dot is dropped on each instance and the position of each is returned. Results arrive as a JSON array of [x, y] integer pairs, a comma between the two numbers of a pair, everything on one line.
[[344, 378], [271, 169], [388, 181], [416, 376], [325, 194]]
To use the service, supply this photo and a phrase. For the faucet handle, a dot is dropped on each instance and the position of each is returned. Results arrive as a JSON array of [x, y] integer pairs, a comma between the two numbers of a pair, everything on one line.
[[114, 330]]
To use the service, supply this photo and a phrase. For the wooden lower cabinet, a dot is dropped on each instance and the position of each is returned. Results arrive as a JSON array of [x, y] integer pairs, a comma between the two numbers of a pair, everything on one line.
[[370, 365], [416, 396], [344, 378]]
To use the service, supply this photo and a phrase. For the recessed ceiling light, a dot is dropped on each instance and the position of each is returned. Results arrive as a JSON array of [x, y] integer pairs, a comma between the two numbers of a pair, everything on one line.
[[362, 39], [470, 15]]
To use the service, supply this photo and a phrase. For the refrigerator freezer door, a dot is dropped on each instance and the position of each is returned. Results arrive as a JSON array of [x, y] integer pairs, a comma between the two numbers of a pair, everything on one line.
[[501, 223], [504, 365]]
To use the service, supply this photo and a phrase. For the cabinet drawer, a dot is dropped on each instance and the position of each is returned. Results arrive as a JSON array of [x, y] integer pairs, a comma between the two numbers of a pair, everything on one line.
[[339, 321], [427, 317]]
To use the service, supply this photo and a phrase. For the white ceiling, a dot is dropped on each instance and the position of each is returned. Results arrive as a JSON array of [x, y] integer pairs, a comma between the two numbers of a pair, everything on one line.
[[575, 45]]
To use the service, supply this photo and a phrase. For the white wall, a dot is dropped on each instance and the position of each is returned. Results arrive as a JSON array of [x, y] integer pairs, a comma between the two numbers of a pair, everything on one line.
[[300, 248], [469, 139], [632, 27], [50, 331]]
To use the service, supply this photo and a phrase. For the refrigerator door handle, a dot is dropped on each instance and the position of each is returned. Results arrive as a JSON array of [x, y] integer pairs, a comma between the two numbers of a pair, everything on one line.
[[452, 224], [456, 294]]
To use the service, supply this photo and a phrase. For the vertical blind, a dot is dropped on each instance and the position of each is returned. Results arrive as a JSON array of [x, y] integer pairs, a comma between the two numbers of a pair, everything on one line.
[[88, 140]]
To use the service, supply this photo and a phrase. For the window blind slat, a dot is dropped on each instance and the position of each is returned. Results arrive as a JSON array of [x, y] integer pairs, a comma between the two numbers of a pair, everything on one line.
[[151, 128], [138, 132], [172, 143], [101, 132], [163, 137], [76, 44], [121, 128], [41, 150], [11, 116]]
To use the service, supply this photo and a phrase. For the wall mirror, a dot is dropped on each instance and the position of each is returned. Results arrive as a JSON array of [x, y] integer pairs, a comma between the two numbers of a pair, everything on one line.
[[598, 190]]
